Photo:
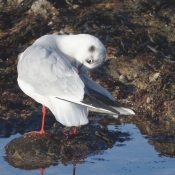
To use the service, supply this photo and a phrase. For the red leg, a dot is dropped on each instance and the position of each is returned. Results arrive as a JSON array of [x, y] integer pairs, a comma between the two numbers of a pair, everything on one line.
[[42, 132], [41, 170], [74, 132], [74, 169]]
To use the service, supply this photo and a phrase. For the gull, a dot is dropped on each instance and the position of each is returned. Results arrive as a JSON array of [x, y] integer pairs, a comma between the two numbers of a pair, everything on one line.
[[52, 71]]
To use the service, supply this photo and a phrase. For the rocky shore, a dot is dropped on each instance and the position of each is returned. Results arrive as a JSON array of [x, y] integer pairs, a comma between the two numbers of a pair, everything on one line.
[[140, 67]]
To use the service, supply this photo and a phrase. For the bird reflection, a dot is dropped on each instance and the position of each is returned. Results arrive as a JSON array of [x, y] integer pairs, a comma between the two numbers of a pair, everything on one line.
[[74, 169], [42, 170]]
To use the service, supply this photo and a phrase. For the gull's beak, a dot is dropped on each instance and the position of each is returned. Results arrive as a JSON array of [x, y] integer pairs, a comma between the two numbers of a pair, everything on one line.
[[79, 68]]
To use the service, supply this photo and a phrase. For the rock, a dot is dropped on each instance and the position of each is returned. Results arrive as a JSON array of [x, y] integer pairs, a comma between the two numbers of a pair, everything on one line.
[[32, 151], [44, 8]]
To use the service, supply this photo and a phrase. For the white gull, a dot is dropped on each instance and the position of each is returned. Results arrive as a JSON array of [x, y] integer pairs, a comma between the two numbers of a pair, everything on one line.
[[52, 71]]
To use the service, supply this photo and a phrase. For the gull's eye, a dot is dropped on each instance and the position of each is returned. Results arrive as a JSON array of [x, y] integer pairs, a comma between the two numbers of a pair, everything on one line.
[[89, 61]]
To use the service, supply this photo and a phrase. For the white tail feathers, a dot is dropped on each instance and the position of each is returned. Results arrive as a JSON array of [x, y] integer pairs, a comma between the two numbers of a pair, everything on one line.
[[123, 111]]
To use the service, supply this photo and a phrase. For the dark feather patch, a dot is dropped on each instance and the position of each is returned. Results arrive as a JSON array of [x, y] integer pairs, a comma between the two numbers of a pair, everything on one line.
[[91, 101], [98, 104], [92, 48]]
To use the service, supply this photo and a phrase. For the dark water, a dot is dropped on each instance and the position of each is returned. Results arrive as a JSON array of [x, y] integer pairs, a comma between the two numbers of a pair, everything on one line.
[[135, 156]]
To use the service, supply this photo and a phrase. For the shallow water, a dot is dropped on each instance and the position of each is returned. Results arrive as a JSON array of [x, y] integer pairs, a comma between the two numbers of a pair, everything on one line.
[[134, 156]]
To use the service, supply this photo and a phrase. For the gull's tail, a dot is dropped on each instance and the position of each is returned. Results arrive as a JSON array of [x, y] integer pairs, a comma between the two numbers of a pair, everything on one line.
[[123, 111], [98, 106], [98, 99]]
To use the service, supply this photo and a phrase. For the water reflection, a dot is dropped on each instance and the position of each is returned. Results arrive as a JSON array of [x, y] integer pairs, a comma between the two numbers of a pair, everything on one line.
[[42, 170], [32, 151], [164, 148], [122, 157], [74, 170], [160, 134]]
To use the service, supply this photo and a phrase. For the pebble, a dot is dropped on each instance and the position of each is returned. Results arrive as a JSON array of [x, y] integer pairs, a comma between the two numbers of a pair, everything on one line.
[[123, 78], [148, 100], [154, 77]]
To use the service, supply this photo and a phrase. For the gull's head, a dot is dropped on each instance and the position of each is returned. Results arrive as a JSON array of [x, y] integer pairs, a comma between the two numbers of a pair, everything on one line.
[[91, 53]]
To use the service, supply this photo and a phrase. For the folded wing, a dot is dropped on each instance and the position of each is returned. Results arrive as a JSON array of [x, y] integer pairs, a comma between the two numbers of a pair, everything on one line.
[[49, 74], [96, 91]]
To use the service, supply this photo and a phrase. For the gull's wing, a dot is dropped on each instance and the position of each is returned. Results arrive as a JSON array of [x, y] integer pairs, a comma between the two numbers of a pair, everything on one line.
[[98, 92], [49, 74]]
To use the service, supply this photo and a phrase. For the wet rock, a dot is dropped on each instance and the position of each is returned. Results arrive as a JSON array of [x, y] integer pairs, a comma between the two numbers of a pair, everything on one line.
[[32, 151]]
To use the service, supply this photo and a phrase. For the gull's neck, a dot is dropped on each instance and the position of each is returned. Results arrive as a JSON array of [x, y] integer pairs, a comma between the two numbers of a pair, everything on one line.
[[69, 44]]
